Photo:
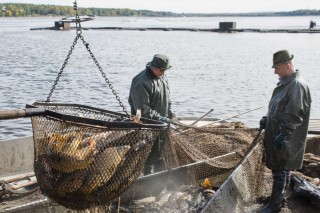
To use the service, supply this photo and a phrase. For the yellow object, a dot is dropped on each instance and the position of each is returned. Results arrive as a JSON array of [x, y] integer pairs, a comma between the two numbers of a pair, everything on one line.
[[206, 184]]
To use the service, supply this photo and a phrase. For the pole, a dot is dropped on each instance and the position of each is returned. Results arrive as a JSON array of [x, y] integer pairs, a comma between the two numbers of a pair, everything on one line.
[[234, 116], [202, 117], [21, 113]]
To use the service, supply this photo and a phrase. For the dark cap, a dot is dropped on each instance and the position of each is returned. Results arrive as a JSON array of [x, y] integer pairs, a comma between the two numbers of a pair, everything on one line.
[[160, 61], [281, 57]]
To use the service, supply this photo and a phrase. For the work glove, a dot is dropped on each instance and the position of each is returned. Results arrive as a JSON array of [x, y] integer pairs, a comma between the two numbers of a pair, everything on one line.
[[174, 116], [164, 119], [279, 141], [171, 114], [263, 123]]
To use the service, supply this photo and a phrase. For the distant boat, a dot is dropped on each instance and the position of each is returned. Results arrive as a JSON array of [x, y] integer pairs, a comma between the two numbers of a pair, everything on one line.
[[73, 19]]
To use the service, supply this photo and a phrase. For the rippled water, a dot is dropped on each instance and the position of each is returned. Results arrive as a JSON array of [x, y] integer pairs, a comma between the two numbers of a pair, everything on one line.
[[230, 73]]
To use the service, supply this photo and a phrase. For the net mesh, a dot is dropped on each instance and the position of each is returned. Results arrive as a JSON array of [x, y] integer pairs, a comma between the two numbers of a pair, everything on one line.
[[85, 166], [80, 164], [211, 169], [198, 160], [241, 191]]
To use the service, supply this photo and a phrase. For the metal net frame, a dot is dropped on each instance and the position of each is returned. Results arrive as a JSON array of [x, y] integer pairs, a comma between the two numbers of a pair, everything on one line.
[[86, 156]]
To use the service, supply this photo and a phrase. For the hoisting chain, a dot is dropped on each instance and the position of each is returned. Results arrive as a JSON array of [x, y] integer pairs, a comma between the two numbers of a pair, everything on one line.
[[104, 76], [62, 68], [79, 36]]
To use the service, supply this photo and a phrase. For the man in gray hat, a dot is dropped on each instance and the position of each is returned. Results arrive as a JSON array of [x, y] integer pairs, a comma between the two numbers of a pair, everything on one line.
[[286, 126], [150, 94]]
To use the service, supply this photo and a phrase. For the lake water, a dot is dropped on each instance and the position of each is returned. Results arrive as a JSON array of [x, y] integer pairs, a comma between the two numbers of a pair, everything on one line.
[[229, 72]]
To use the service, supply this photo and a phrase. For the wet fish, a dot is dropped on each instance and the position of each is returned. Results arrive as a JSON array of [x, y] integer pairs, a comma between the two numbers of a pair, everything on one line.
[[105, 165], [163, 196], [145, 201]]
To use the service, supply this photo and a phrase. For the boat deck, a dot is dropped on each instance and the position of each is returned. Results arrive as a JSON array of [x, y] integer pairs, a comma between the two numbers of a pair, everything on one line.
[[314, 126], [21, 182]]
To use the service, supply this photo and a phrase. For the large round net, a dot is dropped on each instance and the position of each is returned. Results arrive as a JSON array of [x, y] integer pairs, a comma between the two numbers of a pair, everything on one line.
[[194, 157], [85, 156]]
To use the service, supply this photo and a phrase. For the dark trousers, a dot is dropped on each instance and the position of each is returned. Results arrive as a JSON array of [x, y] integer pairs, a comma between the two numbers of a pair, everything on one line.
[[281, 180], [155, 161]]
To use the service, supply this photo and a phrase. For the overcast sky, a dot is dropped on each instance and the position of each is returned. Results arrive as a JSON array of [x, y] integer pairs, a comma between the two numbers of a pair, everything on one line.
[[189, 6]]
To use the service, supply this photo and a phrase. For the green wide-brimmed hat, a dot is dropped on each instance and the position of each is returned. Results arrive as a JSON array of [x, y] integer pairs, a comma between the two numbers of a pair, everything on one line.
[[160, 61], [281, 57]]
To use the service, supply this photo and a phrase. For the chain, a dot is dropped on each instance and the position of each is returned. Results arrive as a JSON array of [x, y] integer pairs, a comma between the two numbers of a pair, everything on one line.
[[78, 28], [104, 76], [78, 25], [62, 68]]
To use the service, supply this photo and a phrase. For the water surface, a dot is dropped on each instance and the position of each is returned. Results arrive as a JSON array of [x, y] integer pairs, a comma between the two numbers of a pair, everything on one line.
[[229, 72]]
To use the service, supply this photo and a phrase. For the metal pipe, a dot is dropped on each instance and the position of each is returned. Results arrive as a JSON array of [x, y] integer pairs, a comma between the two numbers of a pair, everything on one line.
[[185, 166], [21, 113]]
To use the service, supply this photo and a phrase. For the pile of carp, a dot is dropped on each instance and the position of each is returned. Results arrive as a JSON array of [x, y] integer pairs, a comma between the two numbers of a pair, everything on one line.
[[75, 162], [173, 198]]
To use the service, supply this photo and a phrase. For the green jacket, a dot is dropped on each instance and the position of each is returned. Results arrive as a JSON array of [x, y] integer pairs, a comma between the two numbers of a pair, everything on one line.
[[288, 112], [151, 95]]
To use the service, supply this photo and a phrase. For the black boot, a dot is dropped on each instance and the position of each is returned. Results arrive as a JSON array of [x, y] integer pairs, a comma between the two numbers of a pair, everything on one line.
[[287, 185], [149, 169], [277, 196], [266, 209]]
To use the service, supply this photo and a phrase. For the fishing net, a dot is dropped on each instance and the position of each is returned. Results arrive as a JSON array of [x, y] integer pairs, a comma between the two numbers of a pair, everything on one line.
[[202, 159], [86, 156], [212, 169], [242, 190]]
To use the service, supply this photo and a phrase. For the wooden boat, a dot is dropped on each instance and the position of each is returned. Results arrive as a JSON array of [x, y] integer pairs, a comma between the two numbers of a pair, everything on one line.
[[16, 169]]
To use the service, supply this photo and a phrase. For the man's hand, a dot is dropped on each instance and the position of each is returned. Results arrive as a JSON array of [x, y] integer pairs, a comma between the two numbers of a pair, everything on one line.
[[164, 119], [263, 123], [279, 141], [174, 116]]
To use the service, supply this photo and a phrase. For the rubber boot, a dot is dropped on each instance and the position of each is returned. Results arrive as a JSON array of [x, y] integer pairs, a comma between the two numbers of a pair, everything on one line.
[[288, 176], [277, 195], [149, 169], [279, 183], [151, 162], [267, 209]]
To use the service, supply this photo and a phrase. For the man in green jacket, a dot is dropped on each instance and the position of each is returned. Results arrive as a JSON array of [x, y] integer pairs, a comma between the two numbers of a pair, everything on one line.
[[286, 126], [150, 94]]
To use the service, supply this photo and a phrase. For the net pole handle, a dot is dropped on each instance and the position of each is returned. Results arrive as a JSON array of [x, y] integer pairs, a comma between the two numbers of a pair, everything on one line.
[[20, 113], [202, 117], [218, 121]]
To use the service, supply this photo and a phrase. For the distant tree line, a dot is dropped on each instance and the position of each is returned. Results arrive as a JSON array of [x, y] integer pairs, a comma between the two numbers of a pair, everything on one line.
[[21, 10], [16, 10]]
